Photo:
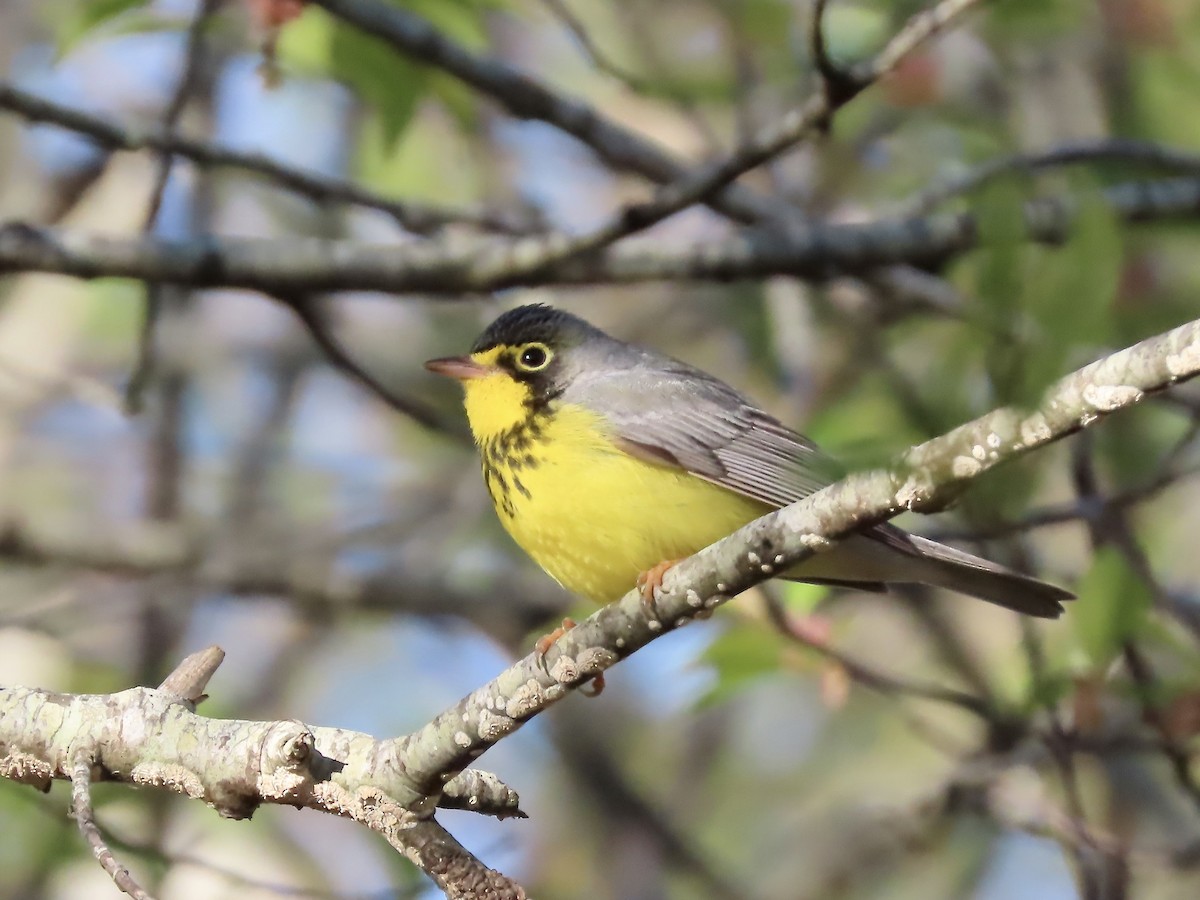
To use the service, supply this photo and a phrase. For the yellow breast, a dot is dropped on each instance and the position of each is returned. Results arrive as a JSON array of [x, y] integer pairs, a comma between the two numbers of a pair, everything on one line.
[[590, 514]]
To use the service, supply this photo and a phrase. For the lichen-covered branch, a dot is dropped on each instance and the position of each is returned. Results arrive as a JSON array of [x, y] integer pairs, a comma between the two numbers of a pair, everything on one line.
[[153, 738], [927, 477]]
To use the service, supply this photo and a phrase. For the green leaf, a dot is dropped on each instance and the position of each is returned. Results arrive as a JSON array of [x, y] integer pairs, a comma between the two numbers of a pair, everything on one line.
[[1070, 290], [853, 33], [1130, 444], [1039, 19], [88, 17], [743, 654], [802, 597], [389, 84], [1112, 607]]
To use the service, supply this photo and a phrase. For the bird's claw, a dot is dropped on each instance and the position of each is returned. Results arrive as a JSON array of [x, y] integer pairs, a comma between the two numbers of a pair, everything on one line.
[[546, 641], [650, 581]]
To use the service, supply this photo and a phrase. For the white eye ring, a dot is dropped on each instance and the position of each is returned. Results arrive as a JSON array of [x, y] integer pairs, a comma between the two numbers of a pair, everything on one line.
[[534, 357]]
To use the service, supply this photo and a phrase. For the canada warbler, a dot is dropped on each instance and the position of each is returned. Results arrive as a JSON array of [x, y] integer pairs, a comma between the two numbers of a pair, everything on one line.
[[607, 461]]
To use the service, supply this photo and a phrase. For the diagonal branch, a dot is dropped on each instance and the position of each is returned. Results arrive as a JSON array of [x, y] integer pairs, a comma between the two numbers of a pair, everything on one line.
[[527, 98], [85, 818], [929, 476], [837, 89], [415, 217], [1127, 151]]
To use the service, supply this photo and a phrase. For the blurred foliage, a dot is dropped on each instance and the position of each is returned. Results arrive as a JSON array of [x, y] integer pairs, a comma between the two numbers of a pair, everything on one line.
[[75, 21]]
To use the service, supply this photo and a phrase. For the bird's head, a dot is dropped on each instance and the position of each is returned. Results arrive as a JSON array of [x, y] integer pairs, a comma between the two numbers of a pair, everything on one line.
[[522, 362]]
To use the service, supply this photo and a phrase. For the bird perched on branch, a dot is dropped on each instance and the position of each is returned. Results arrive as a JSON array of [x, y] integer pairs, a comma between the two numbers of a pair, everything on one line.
[[607, 462]]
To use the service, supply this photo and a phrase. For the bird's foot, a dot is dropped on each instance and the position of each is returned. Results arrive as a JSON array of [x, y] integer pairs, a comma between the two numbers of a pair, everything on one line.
[[651, 580], [546, 641]]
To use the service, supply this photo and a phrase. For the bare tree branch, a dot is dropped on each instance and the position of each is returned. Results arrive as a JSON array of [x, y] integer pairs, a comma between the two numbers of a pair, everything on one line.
[[838, 89], [293, 265], [193, 65], [527, 98], [1122, 150], [414, 217], [81, 807]]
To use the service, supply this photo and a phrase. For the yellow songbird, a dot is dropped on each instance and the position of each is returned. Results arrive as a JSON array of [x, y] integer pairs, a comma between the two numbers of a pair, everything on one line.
[[607, 462]]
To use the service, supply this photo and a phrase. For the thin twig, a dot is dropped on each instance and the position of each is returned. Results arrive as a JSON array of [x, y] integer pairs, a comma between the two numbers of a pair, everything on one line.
[[308, 311], [591, 50], [81, 805], [415, 217], [1122, 150], [883, 683], [1079, 510], [193, 65], [1176, 753], [534, 254], [528, 98]]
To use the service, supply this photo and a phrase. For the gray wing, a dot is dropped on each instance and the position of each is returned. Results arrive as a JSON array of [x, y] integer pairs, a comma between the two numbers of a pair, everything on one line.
[[673, 414]]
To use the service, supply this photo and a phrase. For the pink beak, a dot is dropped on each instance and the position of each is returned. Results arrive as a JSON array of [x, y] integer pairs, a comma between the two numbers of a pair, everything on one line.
[[462, 368]]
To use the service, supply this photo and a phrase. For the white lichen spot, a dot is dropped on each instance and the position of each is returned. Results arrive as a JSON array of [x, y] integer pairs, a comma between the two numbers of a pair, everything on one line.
[[693, 599], [913, 493], [1087, 419], [779, 559], [168, 775], [753, 558], [721, 587], [620, 642], [767, 569], [565, 670], [493, 727], [979, 452], [654, 625], [595, 659], [466, 717], [462, 739], [815, 542], [1107, 398], [994, 440], [1035, 431], [525, 700], [965, 467], [1184, 363]]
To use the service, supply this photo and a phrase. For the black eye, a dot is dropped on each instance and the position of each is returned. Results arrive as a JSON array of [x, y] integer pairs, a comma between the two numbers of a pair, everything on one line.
[[534, 358]]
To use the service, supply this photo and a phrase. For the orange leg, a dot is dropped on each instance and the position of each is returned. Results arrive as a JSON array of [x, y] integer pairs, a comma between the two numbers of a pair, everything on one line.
[[651, 580], [546, 641]]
